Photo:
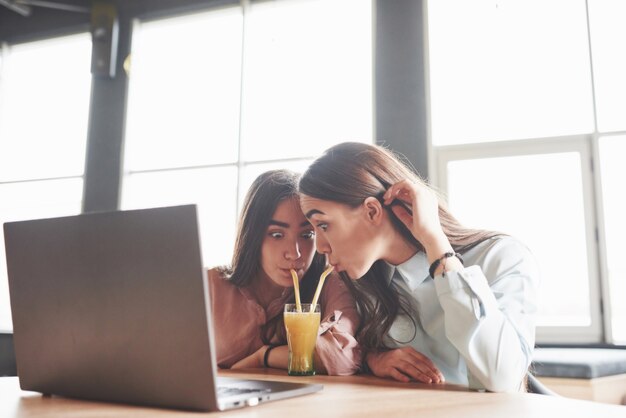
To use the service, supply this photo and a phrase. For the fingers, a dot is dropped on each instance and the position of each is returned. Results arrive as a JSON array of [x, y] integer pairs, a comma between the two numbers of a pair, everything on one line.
[[431, 369], [406, 364], [401, 213], [419, 371], [400, 202], [395, 374], [407, 191], [406, 371], [403, 190]]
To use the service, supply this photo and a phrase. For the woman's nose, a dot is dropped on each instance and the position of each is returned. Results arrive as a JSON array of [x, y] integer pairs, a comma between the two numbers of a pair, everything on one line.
[[321, 245], [293, 251]]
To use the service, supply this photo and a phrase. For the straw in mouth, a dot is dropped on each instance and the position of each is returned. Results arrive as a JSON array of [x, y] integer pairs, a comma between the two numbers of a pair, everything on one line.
[[296, 289], [326, 272]]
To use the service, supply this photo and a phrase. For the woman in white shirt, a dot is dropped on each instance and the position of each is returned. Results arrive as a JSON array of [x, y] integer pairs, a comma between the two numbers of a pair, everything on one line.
[[440, 302]]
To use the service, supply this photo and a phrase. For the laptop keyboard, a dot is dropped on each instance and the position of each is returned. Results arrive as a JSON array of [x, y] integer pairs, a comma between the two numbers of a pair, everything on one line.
[[231, 391]]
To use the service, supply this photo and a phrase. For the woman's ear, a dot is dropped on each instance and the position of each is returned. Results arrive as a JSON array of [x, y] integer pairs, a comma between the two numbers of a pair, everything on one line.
[[373, 210]]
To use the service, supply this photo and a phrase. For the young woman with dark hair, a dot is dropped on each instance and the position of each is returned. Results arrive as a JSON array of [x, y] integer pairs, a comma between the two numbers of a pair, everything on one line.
[[438, 301], [248, 297]]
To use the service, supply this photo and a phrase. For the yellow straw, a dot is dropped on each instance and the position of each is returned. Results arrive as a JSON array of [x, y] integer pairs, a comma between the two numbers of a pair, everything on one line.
[[296, 289], [319, 286]]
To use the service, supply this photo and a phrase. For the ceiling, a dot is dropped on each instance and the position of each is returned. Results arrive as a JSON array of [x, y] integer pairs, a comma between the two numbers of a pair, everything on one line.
[[28, 8]]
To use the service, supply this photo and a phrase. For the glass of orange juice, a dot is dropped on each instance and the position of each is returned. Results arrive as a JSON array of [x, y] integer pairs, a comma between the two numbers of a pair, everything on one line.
[[302, 328]]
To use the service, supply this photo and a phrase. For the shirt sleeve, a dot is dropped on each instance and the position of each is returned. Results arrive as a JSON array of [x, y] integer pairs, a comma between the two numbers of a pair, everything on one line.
[[489, 314], [336, 347]]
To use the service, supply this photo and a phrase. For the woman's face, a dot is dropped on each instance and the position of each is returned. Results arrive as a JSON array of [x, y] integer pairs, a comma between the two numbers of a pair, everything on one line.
[[344, 234], [289, 243]]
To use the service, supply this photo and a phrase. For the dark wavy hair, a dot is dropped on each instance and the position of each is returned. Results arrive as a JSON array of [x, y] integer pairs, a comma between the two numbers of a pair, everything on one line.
[[350, 172], [265, 194]]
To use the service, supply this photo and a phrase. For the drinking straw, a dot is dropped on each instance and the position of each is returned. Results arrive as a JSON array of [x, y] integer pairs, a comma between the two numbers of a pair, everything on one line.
[[319, 286], [296, 289]]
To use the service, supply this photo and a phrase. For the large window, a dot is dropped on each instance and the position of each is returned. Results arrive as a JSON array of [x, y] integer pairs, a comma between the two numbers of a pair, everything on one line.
[[44, 104], [242, 91], [527, 126]]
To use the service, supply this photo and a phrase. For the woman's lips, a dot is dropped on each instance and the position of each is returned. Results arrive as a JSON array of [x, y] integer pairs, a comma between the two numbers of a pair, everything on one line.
[[299, 271]]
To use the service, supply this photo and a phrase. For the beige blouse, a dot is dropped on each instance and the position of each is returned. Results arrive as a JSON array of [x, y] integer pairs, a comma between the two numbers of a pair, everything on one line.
[[238, 319]]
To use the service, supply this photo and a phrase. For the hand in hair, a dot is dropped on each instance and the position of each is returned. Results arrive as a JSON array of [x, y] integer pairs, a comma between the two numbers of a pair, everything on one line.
[[419, 212], [404, 364]]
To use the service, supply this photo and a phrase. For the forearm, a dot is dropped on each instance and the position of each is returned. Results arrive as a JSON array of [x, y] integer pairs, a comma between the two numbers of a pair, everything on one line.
[[495, 351], [278, 358], [492, 350], [435, 247]]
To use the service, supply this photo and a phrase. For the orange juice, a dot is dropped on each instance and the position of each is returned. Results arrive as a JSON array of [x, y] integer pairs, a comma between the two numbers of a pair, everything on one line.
[[302, 328]]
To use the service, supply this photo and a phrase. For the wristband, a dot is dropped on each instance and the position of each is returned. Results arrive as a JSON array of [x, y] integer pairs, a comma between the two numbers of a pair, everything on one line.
[[435, 264], [365, 368], [266, 356]]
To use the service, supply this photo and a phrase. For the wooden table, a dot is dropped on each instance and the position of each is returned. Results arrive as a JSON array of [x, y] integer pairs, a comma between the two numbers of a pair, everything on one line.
[[352, 396]]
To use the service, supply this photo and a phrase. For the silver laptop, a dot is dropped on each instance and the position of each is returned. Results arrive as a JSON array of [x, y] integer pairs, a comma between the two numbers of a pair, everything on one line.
[[114, 306]]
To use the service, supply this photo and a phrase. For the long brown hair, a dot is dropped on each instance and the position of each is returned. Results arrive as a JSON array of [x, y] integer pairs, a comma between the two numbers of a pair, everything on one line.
[[349, 173], [264, 195]]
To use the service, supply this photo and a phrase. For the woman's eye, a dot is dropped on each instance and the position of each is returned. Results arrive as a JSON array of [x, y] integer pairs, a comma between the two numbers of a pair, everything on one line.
[[322, 226], [276, 234], [308, 235]]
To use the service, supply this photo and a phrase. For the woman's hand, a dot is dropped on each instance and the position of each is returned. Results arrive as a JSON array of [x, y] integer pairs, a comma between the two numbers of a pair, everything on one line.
[[253, 361], [422, 216], [418, 209], [404, 364]]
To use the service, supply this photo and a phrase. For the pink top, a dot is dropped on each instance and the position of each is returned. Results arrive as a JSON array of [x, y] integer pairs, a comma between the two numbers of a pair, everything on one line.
[[238, 318]]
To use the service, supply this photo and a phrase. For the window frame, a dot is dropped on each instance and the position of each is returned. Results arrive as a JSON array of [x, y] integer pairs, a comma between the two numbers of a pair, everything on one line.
[[586, 147], [5, 52], [240, 163], [604, 278], [103, 171]]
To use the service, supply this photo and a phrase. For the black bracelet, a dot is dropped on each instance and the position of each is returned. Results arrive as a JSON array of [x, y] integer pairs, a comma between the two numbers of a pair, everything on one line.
[[435, 264], [365, 368], [266, 357]]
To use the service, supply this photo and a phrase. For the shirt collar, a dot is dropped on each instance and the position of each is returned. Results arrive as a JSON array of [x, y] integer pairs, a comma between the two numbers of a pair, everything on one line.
[[413, 271]]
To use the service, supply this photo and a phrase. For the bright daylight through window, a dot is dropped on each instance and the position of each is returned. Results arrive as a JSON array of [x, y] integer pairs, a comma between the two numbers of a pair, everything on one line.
[[532, 120], [44, 104], [240, 93]]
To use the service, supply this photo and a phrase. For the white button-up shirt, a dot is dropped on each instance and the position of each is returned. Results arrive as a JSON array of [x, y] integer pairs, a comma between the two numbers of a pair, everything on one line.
[[476, 324]]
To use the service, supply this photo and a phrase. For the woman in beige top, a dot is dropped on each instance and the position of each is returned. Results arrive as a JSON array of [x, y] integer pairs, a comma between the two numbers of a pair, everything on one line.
[[248, 297]]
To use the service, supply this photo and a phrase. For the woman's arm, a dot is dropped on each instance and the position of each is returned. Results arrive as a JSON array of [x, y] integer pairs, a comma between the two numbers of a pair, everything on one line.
[[236, 323], [337, 351], [277, 358], [492, 322], [489, 312]]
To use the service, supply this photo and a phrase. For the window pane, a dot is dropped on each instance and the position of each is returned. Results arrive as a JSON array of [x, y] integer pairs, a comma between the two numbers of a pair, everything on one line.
[[212, 189], [32, 200], [609, 62], [612, 151], [44, 105], [508, 70], [543, 207], [307, 77], [183, 110]]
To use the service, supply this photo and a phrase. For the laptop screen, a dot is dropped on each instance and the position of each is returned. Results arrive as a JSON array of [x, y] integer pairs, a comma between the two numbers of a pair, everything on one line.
[[113, 306]]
